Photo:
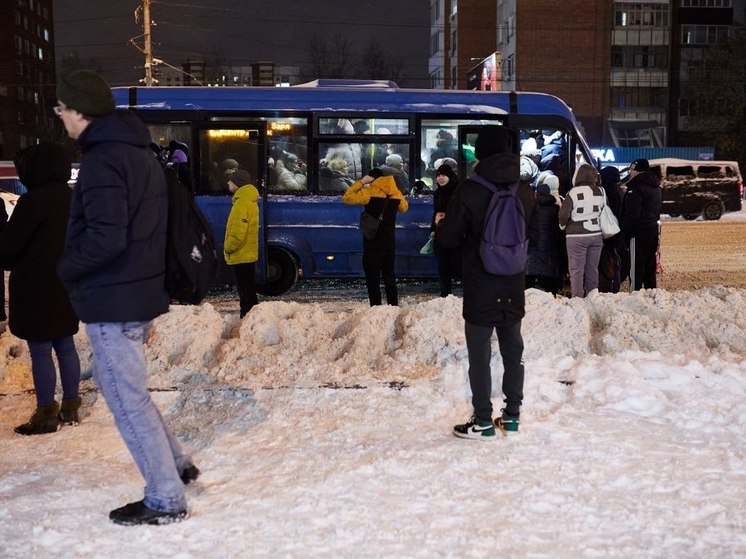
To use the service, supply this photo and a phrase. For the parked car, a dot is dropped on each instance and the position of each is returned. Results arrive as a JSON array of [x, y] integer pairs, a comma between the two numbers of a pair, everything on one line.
[[694, 188]]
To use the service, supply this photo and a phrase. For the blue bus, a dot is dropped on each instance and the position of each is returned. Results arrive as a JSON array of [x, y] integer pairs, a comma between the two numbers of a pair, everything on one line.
[[306, 144]]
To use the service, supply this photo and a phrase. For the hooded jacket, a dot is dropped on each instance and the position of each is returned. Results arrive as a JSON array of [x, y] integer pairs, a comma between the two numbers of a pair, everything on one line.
[[32, 243], [380, 198], [641, 205], [443, 194], [582, 206], [488, 300], [115, 252], [242, 229]]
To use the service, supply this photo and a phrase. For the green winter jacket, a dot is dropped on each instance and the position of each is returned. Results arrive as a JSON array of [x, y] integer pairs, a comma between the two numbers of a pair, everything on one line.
[[242, 230]]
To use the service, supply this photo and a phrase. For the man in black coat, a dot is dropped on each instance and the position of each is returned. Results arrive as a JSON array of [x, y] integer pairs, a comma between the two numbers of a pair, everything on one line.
[[640, 217], [490, 302], [113, 268]]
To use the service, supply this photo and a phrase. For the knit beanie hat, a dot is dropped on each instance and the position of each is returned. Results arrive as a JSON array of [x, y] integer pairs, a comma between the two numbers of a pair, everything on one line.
[[86, 92], [610, 175], [492, 140], [240, 178], [640, 165]]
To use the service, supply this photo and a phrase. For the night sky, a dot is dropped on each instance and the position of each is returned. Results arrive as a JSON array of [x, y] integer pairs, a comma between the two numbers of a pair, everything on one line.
[[241, 31]]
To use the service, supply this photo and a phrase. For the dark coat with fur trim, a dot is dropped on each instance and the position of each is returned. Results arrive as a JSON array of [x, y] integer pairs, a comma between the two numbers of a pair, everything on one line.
[[32, 243], [488, 300]]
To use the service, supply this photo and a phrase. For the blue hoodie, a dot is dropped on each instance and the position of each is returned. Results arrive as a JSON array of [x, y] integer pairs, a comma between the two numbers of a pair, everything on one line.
[[114, 261]]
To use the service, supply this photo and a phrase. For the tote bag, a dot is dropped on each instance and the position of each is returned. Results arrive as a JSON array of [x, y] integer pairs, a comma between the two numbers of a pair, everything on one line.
[[608, 222]]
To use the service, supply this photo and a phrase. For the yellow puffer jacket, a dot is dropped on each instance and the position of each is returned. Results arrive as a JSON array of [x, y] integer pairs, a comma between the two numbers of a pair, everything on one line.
[[382, 187], [242, 230]]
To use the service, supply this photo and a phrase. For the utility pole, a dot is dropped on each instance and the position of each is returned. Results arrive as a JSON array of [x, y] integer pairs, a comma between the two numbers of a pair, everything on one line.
[[148, 47]]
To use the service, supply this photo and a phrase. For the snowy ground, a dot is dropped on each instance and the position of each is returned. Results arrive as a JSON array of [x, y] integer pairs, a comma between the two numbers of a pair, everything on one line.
[[326, 433]]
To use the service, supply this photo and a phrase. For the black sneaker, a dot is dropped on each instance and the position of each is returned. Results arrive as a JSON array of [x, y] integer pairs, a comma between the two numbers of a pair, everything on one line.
[[134, 514], [475, 428], [189, 474]]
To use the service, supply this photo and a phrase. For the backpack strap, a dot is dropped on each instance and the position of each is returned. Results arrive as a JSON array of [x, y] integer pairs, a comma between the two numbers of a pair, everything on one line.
[[513, 189]]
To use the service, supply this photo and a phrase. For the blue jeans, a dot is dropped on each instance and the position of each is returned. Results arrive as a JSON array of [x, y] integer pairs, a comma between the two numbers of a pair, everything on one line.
[[44, 374], [121, 375]]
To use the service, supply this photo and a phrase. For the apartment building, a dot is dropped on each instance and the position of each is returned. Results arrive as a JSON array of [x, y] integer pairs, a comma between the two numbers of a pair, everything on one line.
[[625, 68], [27, 74]]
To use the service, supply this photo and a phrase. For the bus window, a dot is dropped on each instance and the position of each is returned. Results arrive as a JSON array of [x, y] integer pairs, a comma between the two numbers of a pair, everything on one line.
[[391, 157], [223, 151], [372, 125], [288, 155], [439, 145]]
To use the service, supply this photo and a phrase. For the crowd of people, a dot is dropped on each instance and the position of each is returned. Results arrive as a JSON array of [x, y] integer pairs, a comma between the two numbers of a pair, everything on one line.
[[95, 254]]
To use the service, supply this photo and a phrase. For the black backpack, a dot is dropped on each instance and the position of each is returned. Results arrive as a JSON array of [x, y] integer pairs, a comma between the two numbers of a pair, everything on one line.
[[191, 258]]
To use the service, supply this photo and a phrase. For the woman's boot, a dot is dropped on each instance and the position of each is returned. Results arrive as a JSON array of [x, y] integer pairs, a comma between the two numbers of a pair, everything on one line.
[[69, 411], [43, 420]]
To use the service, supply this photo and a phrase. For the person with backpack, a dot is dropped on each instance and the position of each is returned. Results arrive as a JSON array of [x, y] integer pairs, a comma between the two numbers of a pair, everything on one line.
[[489, 205], [113, 268], [578, 217], [241, 246]]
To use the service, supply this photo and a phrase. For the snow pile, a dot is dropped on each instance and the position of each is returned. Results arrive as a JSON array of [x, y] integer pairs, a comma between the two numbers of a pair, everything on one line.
[[324, 433]]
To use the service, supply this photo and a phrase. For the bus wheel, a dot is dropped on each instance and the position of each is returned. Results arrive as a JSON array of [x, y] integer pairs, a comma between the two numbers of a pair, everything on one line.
[[282, 272], [713, 210]]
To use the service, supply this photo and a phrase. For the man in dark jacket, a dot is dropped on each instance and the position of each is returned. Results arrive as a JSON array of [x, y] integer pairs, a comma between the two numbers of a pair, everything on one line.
[[113, 268], [640, 215], [490, 302]]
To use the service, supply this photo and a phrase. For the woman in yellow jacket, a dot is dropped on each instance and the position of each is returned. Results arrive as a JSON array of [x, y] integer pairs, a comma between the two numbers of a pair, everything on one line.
[[382, 199], [241, 246]]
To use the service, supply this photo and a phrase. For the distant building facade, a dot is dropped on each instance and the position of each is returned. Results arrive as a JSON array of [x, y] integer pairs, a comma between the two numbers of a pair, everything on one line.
[[27, 74], [624, 67]]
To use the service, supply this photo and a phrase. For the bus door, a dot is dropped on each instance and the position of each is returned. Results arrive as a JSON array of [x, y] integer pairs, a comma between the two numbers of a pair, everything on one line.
[[224, 147], [467, 139]]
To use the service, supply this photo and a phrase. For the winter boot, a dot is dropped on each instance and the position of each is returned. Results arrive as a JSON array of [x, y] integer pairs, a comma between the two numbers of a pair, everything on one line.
[[44, 420], [189, 474], [69, 411]]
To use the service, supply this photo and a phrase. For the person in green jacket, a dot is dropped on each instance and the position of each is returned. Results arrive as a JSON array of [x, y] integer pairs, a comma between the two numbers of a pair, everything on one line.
[[241, 246]]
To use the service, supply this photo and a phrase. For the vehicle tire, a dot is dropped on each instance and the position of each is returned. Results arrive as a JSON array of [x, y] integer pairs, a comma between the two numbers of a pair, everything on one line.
[[282, 272], [691, 217], [713, 210]]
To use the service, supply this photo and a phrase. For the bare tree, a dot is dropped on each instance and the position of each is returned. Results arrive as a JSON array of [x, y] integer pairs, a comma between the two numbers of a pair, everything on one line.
[[331, 61], [377, 65]]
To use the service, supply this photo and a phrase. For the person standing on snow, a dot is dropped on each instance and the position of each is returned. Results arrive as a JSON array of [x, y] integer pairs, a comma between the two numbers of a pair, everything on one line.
[[641, 212], [40, 310], [113, 268], [241, 245], [491, 303], [382, 199]]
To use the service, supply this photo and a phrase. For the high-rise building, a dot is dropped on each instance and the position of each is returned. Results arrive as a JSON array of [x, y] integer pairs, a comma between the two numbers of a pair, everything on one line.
[[462, 32], [27, 75], [625, 68]]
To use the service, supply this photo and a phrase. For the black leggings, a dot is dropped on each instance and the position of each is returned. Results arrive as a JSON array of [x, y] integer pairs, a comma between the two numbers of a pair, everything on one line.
[[376, 264]]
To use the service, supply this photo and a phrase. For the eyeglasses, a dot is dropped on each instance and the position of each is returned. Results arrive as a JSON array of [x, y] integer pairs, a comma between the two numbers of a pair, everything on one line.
[[58, 110]]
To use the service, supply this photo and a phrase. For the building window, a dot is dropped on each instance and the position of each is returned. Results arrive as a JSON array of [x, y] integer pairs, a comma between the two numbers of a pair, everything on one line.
[[454, 41], [454, 7], [454, 77], [637, 14], [434, 43], [435, 80], [509, 66], [703, 34], [17, 17], [706, 3]]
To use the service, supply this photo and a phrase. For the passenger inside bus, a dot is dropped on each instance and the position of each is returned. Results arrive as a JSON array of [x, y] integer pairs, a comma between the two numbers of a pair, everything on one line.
[[333, 177], [394, 166], [291, 173]]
